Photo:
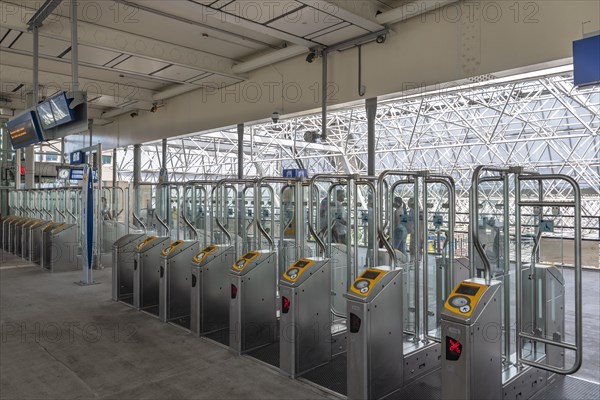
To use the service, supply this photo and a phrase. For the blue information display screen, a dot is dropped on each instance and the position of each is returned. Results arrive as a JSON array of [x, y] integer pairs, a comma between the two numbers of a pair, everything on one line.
[[24, 130], [76, 174], [586, 61], [55, 111]]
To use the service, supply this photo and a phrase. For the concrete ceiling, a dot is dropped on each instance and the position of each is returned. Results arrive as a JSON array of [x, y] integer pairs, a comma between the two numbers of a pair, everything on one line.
[[134, 54]]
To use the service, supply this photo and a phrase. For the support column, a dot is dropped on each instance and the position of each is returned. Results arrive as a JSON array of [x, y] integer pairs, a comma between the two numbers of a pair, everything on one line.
[[371, 105], [137, 177], [33, 101], [115, 167], [324, 98], [163, 161], [4, 160], [240, 132], [18, 169], [74, 48]]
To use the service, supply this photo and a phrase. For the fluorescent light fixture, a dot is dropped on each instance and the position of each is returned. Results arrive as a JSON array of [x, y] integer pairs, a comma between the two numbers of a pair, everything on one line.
[[270, 58], [410, 10]]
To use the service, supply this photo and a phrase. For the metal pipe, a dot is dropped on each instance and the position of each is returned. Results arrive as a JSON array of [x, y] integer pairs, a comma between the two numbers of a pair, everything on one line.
[[324, 98], [371, 106], [506, 228], [416, 263], [518, 288], [164, 150], [36, 65], [240, 154], [74, 48], [138, 221]]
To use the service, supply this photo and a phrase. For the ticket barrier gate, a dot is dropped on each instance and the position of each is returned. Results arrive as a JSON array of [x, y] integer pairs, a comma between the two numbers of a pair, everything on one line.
[[471, 363], [375, 366], [60, 248], [146, 273], [10, 233], [174, 282], [305, 326], [209, 294], [36, 237], [5, 229], [26, 237], [18, 235], [252, 308], [475, 363], [123, 253]]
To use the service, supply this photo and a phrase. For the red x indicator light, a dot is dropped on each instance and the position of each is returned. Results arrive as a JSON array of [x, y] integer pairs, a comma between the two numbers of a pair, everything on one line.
[[453, 349]]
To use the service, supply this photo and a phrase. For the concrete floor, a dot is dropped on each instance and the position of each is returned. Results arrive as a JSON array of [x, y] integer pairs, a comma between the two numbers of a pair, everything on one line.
[[63, 341]]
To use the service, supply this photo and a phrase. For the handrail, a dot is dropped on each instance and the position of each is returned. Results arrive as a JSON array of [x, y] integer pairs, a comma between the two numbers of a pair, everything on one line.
[[139, 221], [163, 223], [190, 226], [72, 215]]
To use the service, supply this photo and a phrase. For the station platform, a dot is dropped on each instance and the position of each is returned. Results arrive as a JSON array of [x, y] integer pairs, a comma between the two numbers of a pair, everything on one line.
[[61, 340], [64, 341]]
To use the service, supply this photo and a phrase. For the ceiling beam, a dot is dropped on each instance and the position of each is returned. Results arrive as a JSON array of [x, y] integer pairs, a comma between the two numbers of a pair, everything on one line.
[[42, 13], [342, 13], [270, 58], [254, 26], [12, 76], [116, 40]]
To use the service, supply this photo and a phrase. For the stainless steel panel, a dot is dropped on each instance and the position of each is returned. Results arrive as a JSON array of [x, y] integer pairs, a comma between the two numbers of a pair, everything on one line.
[[123, 254], [305, 330], [25, 239], [146, 274], [64, 248], [175, 282], [252, 313], [210, 292], [477, 373], [18, 236], [375, 351]]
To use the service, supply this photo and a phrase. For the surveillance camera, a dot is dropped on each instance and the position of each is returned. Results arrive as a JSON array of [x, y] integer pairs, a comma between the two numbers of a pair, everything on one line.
[[133, 114], [275, 117]]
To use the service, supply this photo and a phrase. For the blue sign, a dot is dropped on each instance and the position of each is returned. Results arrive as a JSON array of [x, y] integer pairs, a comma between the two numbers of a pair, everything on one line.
[[295, 173], [586, 61], [76, 174], [87, 227], [77, 158]]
